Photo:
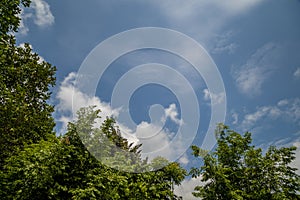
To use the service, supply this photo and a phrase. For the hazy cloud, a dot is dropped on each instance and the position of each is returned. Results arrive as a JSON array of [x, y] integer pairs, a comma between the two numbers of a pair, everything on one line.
[[223, 44], [286, 109], [215, 98], [297, 73], [251, 76]]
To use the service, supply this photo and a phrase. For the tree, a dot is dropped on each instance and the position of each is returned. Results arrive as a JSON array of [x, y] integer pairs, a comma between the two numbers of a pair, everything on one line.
[[238, 170], [25, 81], [63, 168], [24, 90]]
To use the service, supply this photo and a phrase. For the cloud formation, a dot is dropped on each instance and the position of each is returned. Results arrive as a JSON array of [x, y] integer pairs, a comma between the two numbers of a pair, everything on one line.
[[251, 76], [212, 15], [286, 109], [223, 44], [153, 136], [215, 98], [297, 73], [41, 14]]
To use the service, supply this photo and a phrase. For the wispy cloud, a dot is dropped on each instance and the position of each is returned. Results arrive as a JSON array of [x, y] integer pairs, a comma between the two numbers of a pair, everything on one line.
[[223, 44], [235, 117], [178, 10], [211, 15], [23, 29], [184, 159], [251, 76], [286, 109], [297, 73], [214, 98]]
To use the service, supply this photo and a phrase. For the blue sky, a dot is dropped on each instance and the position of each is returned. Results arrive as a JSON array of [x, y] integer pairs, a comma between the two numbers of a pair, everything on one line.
[[255, 45]]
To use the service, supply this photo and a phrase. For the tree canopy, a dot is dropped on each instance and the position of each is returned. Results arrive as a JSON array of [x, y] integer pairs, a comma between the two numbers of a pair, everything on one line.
[[238, 170], [63, 168]]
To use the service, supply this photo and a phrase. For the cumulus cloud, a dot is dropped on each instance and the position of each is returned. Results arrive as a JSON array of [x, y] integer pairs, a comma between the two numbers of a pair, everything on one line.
[[154, 136], [251, 76], [67, 107], [172, 113], [41, 14]]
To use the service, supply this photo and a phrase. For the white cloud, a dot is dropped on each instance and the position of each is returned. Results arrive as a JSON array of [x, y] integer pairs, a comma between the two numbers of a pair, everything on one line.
[[153, 135], [287, 109], [23, 29], [153, 138], [41, 14], [283, 102], [251, 76], [223, 44], [178, 10], [184, 159], [215, 98], [187, 187], [297, 73], [67, 107], [235, 117], [212, 15], [172, 113]]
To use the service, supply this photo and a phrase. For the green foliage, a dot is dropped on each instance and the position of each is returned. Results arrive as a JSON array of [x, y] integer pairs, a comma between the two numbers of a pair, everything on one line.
[[24, 91], [10, 15], [237, 170], [63, 168]]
